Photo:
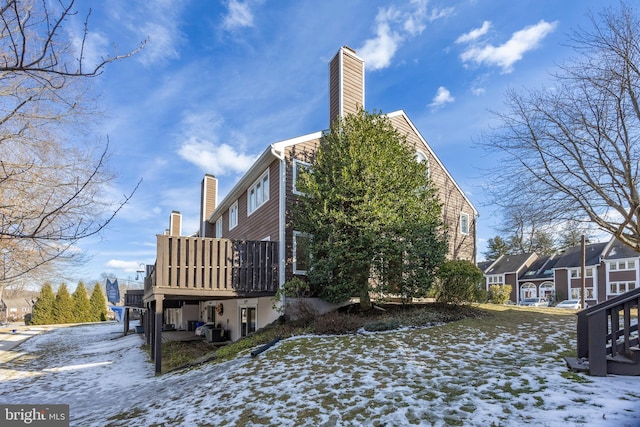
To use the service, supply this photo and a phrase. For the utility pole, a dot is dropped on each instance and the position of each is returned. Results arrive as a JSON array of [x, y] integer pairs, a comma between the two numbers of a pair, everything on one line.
[[583, 274]]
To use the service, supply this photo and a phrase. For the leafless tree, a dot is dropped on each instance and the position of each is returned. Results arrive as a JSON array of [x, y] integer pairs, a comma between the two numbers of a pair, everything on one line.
[[572, 150], [51, 168]]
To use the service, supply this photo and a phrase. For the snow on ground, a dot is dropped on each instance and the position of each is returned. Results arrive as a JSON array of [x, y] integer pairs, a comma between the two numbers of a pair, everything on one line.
[[411, 377]]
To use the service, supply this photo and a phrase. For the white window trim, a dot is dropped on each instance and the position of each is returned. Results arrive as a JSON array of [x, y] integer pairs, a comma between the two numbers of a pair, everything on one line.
[[578, 291], [618, 283], [465, 215], [495, 279], [576, 273], [297, 234], [421, 156], [257, 182], [296, 164], [233, 215], [219, 228], [626, 264]]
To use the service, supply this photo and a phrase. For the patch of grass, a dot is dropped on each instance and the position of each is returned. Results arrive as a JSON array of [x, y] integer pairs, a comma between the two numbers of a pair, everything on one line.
[[133, 413], [575, 377]]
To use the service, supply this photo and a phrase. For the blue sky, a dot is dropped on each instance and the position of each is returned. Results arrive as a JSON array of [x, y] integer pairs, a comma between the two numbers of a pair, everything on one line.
[[220, 80]]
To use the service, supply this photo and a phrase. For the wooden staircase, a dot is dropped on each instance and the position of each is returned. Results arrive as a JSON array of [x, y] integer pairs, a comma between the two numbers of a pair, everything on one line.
[[608, 340]]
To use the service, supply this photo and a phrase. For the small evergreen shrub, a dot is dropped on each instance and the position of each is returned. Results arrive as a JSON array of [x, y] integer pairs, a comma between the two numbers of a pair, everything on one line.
[[382, 325]]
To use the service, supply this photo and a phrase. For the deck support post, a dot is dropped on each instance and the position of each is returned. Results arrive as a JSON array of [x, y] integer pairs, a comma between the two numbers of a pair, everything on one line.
[[157, 346]]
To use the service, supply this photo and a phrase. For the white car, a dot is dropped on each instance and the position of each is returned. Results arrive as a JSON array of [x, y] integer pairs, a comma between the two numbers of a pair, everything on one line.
[[201, 330], [573, 304], [534, 302]]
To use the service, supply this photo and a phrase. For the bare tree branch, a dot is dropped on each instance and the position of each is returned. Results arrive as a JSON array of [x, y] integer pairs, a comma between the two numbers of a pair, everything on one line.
[[574, 149], [51, 179]]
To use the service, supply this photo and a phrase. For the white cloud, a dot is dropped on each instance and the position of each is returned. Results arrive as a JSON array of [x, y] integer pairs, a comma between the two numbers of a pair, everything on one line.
[[199, 145], [443, 96], [125, 266], [440, 13], [377, 52], [479, 91], [239, 16], [513, 50], [393, 26], [216, 159], [164, 38], [475, 33]]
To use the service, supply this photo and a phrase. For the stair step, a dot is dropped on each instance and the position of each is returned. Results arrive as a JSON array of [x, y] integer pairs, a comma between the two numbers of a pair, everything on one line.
[[620, 359], [577, 365]]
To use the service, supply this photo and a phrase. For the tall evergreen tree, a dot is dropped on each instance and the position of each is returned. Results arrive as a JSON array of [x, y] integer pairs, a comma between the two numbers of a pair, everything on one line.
[[496, 247], [63, 306], [98, 304], [371, 211], [42, 313], [81, 304]]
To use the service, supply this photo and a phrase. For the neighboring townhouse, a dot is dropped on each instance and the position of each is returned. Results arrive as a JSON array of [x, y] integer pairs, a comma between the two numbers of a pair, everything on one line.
[[621, 270], [611, 269], [537, 280], [257, 211], [507, 269], [568, 273], [14, 309]]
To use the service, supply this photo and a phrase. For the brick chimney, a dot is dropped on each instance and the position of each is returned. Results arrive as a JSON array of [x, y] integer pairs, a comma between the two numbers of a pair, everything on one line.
[[208, 203], [346, 83], [175, 224]]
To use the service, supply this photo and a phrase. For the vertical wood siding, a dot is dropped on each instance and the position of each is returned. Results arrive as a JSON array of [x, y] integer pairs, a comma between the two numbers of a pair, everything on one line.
[[205, 264]]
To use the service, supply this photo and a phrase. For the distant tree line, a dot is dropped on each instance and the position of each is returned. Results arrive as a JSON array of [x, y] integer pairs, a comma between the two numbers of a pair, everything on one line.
[[64, 307], [523, 231]]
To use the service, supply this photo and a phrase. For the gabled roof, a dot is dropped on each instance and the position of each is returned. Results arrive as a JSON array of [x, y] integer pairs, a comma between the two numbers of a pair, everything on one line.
[[483, 265], [509, 263], [428, 147], [618, 250], [572, 257], [542, 268], [273, 151], [16, 303]]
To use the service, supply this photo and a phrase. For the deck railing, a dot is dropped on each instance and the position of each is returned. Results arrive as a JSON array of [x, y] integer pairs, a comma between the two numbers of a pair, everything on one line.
[[608, 332], [209, 266], [133, 298]]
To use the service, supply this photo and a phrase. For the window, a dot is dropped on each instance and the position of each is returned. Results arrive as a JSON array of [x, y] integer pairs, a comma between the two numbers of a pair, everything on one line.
[[616, 288], [464, 223], [576, 292], [298, 166], [219, 228], [629, 264], [422, 158], [495, 279], [300, 253], [258, 194], [233, 216], [576, 272]]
